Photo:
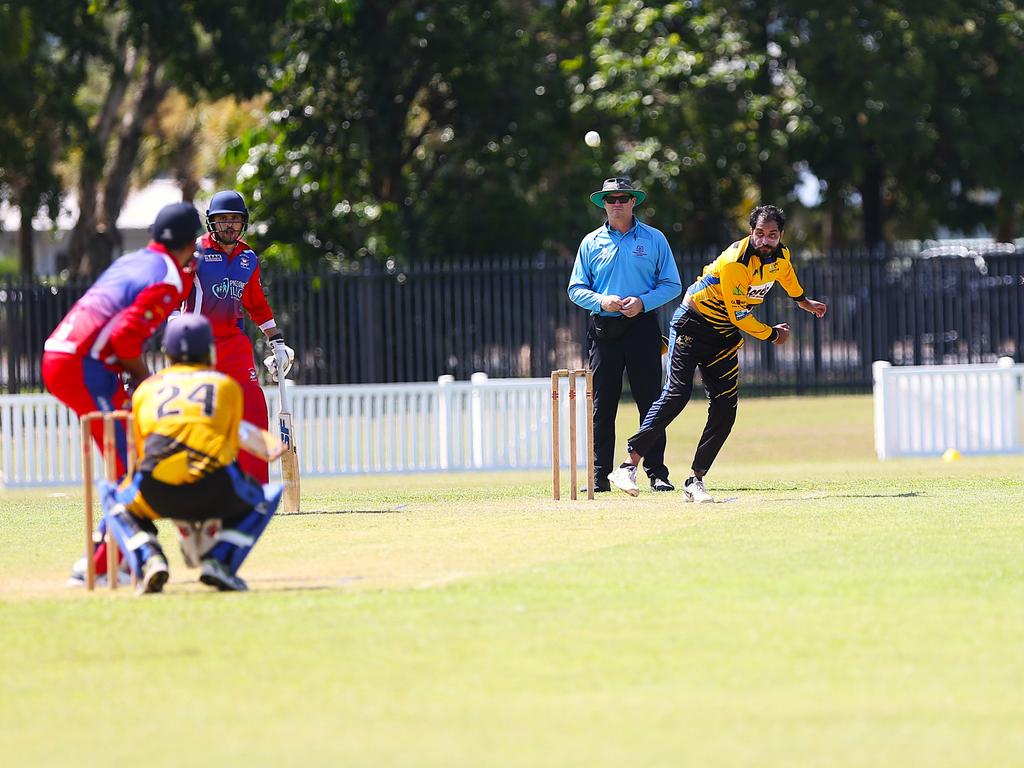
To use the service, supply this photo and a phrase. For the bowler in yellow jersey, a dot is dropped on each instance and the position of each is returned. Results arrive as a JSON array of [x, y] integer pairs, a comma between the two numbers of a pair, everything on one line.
[[705, 334]]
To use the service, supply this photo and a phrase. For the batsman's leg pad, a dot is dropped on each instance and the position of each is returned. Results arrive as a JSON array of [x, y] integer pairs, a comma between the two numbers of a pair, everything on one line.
[[235, 540]]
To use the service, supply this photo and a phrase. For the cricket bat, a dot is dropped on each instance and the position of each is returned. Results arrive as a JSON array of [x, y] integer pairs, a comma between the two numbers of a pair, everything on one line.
[[290, 457]]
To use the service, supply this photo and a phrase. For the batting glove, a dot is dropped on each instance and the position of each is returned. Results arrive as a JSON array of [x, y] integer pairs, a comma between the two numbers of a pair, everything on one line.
[[279, 350]]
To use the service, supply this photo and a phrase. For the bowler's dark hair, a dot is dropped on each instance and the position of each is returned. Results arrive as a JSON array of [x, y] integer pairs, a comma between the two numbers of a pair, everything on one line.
[[768, 213]]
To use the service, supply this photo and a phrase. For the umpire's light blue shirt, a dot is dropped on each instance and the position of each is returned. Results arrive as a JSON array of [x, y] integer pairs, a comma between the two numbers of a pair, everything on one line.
[[638, 263]]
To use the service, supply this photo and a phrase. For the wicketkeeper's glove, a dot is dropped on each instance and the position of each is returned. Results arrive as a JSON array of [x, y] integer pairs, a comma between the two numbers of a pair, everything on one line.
[[279, 349]]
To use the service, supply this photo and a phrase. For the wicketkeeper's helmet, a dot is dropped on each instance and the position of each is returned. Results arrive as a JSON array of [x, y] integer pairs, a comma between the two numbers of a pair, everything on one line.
[[189, 339]]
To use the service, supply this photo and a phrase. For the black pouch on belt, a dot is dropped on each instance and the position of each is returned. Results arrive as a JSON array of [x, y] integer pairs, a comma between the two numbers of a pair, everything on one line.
[[611, 328]]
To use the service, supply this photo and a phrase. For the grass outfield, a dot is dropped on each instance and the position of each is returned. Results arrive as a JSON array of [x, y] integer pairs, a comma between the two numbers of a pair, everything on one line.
[[835, 611]]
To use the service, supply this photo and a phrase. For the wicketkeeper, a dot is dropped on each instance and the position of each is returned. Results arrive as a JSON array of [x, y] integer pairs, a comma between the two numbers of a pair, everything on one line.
[[186, 427]]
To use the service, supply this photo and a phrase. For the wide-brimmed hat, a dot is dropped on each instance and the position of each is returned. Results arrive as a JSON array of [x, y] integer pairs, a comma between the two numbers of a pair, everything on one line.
[[617, 184]]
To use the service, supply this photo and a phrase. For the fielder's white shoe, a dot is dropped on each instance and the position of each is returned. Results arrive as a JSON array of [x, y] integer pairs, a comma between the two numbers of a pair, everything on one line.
[[694, 490], [624, 478]]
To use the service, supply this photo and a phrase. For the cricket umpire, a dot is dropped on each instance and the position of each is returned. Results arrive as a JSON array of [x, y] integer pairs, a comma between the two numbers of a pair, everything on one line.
[[624, 271]]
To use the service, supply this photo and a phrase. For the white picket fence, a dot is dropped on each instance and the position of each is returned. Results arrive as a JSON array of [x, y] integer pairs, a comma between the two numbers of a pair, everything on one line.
[[482, 424], [926, 410]]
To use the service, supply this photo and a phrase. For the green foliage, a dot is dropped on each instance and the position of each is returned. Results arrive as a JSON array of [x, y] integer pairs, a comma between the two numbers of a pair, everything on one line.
[[697, 105], [46, 48], [408, 130]]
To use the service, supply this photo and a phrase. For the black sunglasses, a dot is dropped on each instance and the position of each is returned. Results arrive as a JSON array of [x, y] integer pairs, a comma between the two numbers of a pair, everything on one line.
[[618, 199]]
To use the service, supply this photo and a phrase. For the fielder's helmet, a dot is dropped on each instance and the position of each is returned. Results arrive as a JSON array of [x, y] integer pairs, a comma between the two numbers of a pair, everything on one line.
[[188, 338], [227, 201], [176, 225]]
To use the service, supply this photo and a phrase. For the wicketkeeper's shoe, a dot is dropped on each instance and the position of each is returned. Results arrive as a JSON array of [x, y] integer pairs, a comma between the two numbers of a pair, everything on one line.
[[624, 478], [694, 490], [154, 575], [661, 484], [215, 574]]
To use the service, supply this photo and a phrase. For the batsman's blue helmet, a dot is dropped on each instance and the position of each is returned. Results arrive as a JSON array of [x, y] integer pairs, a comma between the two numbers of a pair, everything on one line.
[[189, 338], [227, 201], [176, 225]]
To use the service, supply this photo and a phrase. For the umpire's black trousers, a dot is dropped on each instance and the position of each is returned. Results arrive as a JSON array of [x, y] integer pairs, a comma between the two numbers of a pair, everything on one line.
[[694, 343], [632, 345]]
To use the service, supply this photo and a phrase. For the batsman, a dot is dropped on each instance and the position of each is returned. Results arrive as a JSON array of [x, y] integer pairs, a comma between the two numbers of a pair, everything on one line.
[[186, 421], [227, 287]]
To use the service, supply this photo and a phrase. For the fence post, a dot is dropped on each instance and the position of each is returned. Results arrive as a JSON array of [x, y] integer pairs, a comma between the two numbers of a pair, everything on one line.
[[444, 406], [878, 370], [1006, 422], [478, 379]]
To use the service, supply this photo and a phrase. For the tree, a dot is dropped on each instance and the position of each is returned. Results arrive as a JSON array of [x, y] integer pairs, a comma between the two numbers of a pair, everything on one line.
[[977, 50], [45, 52], [413, 129], [201, 49], [915, 120], [697, 103]]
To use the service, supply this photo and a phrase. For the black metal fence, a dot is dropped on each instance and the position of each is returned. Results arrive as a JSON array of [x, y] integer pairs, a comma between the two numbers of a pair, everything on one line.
[[511, 318]]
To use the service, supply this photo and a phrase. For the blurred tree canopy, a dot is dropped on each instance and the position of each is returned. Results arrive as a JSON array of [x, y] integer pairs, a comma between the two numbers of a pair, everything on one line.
[[415, 129], [410, 128], [151, 48], [45, 53]]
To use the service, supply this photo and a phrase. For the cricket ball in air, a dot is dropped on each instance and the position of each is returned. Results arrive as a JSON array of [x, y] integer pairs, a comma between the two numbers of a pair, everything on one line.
[[951, 454], [592, 139]]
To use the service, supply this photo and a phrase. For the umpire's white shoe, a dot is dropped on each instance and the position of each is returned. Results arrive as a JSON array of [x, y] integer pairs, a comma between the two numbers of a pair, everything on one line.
[[694, 490], [215, 574], [624, 478]]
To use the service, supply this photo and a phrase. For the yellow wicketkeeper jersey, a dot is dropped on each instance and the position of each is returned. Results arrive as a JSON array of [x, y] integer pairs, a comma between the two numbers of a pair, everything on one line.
[[738, 280], [186, 422]]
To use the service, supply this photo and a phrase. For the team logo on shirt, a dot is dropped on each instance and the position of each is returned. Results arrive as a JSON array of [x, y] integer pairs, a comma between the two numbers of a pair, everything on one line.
[[773, 267], [243, 262], [759, 291], [226, 287], [640, 250]]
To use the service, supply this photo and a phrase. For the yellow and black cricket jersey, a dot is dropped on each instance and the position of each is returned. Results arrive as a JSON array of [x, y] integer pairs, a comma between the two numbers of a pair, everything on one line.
[[186, 423], [737, 281]]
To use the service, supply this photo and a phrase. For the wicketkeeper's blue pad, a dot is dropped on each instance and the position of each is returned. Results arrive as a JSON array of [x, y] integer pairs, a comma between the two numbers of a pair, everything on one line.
[[133, 536], [233, 543]]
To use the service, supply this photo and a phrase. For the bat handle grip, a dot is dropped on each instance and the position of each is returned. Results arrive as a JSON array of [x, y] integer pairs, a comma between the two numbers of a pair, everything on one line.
[[282, 361]]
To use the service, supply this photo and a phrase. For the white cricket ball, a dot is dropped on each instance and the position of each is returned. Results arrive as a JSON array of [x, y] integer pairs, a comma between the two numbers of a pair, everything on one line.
[[592, 139]]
